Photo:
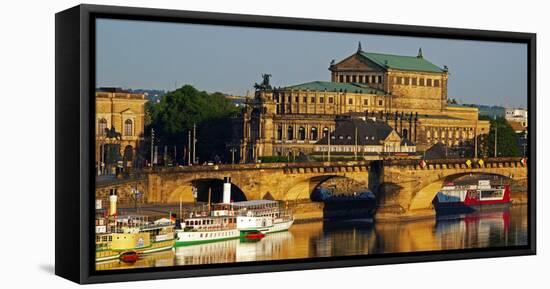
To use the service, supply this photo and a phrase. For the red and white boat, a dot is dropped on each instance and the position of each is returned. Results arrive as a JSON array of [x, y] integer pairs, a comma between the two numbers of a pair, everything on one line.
[[453, 198]]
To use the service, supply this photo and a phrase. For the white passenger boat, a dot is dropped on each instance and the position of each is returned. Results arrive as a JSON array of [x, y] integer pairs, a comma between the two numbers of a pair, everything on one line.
[[265, 216], [205, 229], [230, 220]]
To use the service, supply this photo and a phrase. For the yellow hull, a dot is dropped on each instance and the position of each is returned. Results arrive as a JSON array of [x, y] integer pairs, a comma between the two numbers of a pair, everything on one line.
[[111, 255]]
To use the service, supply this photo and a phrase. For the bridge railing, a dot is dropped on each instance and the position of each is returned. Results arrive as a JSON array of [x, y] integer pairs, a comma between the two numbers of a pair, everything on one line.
[[451, 161], [216, 167], [267, 166]]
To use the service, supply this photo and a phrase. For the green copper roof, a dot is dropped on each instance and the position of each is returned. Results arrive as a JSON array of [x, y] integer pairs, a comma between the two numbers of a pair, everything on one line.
[[401, 62], [336, 86]]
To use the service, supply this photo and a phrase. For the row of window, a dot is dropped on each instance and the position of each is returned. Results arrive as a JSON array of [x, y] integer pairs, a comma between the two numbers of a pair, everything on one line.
[[387, 148], [128, 127], [416, 81], [304, 99], [322, 100], [313, 133], [450, 134], [207, 222], [451, 128], [448, 142], [215, 235], [348, 137], [103, 238], [358, 78]]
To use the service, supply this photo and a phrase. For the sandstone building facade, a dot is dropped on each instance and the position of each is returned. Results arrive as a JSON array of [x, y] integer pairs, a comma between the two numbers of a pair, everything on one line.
[[119, 123], [409, 93]]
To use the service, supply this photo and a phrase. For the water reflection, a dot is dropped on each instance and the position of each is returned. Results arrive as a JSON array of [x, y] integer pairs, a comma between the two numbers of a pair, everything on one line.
[[505, 227], [272, 246]]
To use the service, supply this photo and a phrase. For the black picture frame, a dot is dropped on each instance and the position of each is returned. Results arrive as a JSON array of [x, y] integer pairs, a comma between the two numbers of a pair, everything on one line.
[[74, 89]]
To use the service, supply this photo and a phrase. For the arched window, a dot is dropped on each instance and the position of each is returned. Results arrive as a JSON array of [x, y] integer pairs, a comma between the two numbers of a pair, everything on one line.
[[128, 155], [280, 132], [301, 133], [325, 132], [313, 133], [128, 127], [102, 126], [405, 134], [290, 133]]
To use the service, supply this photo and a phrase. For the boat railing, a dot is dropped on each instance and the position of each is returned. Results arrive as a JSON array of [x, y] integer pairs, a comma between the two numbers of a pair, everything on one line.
[[209, 228], [273, 213], [473, 187], [149, 227]]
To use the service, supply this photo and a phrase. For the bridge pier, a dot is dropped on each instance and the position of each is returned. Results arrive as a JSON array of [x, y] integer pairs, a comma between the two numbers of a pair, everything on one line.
[[392, 213], [396, 203], [307, 211]]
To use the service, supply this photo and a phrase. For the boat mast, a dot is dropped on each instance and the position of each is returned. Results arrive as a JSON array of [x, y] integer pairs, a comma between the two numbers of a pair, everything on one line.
[[209, 197], [496, 133], [181, 217]]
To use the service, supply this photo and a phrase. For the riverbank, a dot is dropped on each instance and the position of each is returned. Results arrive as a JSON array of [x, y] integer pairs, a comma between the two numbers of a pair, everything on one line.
[[309, 212]]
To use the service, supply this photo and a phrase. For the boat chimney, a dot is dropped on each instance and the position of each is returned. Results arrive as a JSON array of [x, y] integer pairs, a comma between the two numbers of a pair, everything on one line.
[[227, 190], [112, 202]]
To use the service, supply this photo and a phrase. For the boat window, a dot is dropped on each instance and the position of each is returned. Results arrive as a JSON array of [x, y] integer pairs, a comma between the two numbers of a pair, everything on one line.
[[491, 194]]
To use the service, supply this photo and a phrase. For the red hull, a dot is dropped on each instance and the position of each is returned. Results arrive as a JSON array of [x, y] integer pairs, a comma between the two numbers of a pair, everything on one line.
[[473, 203], [129, 257], [469, 201], [254, 236]]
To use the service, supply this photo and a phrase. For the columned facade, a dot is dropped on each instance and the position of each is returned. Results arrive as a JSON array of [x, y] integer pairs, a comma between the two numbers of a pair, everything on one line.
[[409, 93]]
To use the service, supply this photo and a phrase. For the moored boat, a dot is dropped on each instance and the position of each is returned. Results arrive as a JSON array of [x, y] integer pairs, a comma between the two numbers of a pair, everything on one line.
[[133, 235], [454, 198], [200, 229], [229, 220], [265, 216], [128, 237]]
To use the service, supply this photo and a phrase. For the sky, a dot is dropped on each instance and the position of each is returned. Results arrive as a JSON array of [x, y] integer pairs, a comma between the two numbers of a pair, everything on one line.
[[159, 55]]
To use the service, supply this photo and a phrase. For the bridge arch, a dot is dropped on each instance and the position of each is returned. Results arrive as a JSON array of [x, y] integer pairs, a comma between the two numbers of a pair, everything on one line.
[[424, 197], [305, 188], [184, 191]]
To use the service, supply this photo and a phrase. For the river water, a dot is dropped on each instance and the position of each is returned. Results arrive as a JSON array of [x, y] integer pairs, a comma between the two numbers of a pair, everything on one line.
[[504, 227]]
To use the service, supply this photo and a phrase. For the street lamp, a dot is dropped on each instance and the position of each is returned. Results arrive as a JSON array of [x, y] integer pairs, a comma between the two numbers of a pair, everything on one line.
[[100, 159], [232, 150], [152, 145], [108, 141]]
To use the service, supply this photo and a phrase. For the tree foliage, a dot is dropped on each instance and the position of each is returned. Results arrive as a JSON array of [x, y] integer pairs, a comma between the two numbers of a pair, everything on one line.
[[507, 139], [177, 111]]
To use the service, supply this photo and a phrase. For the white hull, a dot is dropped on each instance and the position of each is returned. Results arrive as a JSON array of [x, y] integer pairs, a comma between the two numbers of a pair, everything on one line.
[[197, 237], [276, 227], [281, 226]]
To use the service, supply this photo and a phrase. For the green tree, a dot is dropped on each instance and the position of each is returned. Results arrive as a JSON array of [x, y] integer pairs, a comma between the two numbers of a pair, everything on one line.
[[177, 111], [507, 139]]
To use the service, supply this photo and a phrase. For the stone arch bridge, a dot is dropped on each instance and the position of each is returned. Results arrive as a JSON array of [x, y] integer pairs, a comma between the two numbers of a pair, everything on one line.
[[404, 185]]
